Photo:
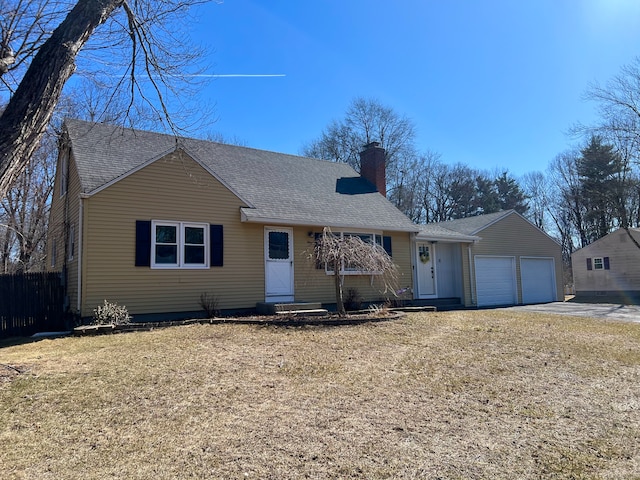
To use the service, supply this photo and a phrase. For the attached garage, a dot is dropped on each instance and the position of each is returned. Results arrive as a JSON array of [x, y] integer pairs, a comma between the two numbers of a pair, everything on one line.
[[496, 281], [504, 259], [538, 279]]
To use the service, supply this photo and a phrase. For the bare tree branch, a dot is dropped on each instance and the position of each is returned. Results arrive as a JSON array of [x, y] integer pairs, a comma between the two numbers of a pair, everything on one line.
[[341, 252], [157, 57]]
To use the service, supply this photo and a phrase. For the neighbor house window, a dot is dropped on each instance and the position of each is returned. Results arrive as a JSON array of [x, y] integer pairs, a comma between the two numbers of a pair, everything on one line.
[[179, 245], [598, 263]]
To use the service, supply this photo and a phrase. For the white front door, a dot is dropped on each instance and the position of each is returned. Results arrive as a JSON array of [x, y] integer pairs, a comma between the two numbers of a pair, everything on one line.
[[425, 270], [278, 252]]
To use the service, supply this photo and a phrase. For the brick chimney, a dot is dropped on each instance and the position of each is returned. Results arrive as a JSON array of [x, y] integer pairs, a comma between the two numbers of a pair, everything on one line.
[[372, 166]]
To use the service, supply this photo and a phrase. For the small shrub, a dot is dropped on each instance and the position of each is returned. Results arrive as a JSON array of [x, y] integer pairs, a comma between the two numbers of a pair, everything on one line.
[[110, 313], [209, 303], [378, 310], [353, 300]]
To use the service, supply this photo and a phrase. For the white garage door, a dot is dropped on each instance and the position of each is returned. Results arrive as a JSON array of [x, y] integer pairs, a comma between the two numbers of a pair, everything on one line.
[[496, 281], [538, 280]]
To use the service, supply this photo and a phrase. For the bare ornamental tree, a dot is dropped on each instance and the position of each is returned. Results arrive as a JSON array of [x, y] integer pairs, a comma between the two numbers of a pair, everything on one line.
[[340, 252]]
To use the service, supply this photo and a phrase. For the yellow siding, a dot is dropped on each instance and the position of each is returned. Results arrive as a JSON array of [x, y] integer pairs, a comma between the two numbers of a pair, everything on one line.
[[314, 285], [191, 194], [516, 237], [467, 275], [65, 213], [188, 193]]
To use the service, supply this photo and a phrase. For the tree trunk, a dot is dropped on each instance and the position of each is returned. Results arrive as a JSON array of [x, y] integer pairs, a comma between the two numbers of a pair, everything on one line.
[[338, 284], [25, 119]]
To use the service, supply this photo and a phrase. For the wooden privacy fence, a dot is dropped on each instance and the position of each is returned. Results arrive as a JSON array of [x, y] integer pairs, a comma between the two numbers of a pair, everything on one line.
[[31, 303]]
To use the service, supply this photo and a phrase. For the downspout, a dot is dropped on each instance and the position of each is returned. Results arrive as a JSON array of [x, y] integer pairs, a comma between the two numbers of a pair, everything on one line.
[[80, 227]]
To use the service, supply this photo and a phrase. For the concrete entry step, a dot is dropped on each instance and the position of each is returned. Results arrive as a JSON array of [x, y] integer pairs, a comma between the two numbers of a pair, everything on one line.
[[267, 308]]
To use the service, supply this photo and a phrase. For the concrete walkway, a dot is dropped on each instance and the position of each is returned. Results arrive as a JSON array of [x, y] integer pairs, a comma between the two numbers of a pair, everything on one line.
[[606, 311]]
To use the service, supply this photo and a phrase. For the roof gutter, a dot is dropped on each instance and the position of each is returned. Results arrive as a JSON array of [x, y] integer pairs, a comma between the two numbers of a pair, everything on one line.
[[449, 239], [284, 221]]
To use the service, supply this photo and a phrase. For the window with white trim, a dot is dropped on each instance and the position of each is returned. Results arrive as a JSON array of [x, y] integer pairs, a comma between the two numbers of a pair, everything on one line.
[[372, 238], [179, 244], [598, 263]]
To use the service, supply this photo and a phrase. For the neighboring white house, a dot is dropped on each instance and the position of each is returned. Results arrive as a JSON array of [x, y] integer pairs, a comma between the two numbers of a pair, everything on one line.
[[608, 270]]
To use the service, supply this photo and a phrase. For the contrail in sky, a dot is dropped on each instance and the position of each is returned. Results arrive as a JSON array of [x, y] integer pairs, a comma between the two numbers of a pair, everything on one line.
[[226, 75]]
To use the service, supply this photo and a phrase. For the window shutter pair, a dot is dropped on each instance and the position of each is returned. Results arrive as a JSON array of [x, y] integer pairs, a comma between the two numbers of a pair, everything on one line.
[[605, 261], [143, 244]]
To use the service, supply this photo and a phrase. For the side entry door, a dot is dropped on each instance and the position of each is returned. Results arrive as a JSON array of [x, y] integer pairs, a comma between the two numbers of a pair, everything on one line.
[[278, 243]]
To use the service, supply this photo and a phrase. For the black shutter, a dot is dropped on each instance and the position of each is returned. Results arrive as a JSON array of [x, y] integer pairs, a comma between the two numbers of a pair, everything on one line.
[[143, 243], [216, 241], [606, 263], [589, 266], [386, 244]]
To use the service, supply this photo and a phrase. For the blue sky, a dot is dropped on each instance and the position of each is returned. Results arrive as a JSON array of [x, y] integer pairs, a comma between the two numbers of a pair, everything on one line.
[[488, 83]]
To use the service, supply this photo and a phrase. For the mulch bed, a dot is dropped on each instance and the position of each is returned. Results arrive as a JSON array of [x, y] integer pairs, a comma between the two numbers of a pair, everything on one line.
[[289, 320]]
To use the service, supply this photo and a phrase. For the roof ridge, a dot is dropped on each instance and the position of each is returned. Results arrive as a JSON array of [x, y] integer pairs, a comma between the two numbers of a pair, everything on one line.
[[179, 138]]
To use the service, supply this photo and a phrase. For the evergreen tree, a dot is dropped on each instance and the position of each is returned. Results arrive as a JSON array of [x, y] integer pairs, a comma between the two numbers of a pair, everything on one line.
[[486, 200], [598, 169], [510, 195]]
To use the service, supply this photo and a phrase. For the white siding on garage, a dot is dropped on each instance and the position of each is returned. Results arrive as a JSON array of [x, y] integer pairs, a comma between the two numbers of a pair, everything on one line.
[[538, 280], [495, 281]]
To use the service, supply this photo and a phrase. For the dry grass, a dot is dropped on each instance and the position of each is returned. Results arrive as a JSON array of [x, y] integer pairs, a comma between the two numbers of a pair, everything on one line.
[[480, 394]]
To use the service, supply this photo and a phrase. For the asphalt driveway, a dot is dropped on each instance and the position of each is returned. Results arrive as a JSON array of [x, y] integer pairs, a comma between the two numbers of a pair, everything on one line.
[[605, 311]]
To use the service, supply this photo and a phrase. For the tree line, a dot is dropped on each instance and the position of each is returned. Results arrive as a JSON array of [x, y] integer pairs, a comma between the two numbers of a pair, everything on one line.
[[585, 192]]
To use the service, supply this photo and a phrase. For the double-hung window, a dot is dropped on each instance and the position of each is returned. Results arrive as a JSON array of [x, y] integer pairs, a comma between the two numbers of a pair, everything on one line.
[[179, 245], [598, 263], [370, 238], [353, 269]]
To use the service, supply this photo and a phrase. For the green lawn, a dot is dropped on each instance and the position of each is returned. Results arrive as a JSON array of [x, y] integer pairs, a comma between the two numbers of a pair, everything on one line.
[[473, 394]]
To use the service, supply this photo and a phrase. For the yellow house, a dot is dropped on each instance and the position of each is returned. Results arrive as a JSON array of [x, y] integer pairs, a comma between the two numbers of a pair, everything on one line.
[[152, 222]]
